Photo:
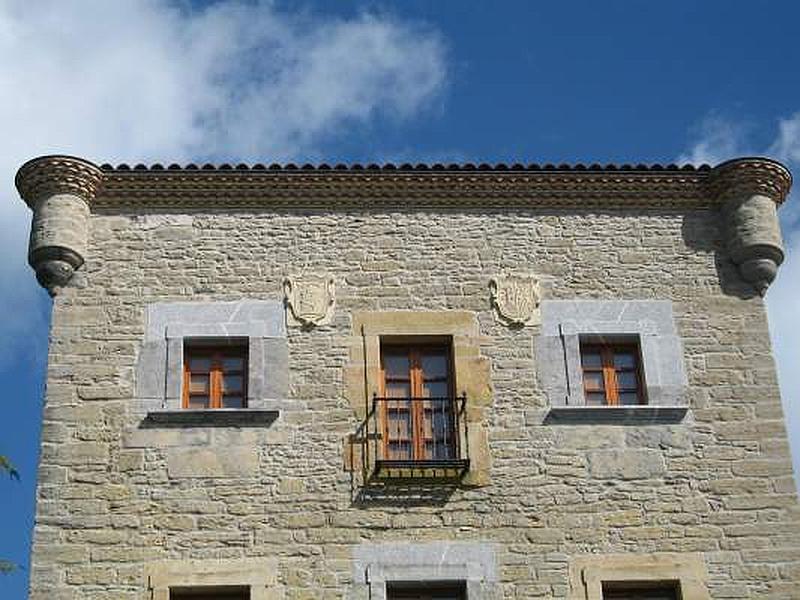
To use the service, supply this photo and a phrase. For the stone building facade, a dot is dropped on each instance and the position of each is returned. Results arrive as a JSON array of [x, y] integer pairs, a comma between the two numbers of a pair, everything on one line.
[[234, 352]]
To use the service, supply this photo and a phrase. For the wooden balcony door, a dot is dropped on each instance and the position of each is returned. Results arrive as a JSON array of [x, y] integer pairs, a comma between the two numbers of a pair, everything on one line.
[[418, 420]]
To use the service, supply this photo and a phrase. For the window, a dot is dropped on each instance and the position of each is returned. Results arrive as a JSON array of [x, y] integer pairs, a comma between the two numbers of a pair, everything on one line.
[[640, 591], [611, 361], [656, 576], [612, 374], [417, 410], [211, 593], [215, 375], [177, 330], [458, 332], [428, 591]]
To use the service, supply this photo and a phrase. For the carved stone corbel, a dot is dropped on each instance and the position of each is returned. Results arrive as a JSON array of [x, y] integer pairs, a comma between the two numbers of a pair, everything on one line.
[[58, 189], [749, 191]]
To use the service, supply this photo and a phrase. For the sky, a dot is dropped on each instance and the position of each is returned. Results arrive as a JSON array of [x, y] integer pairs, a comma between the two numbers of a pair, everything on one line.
[[412, 81]]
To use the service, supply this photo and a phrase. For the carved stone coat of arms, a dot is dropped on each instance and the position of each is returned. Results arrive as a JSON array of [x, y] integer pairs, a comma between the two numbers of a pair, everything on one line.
[[310, 299], [516, 298]]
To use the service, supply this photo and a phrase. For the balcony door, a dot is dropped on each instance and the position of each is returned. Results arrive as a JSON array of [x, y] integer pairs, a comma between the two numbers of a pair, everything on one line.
[[417, 414]]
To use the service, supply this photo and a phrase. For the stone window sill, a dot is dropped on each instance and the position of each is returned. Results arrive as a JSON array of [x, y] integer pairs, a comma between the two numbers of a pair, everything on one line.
[[616, 415], [218, 417]]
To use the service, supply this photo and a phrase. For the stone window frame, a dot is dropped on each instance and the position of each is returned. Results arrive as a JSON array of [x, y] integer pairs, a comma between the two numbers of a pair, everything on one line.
[[257, 574], [649, 323], [471, 371], [470, 563], [588, 573], [169, 325]]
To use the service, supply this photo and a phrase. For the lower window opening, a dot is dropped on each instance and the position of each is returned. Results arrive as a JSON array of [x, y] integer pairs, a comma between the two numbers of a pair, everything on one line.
[[433, 590], [210, 593], [641, 591]]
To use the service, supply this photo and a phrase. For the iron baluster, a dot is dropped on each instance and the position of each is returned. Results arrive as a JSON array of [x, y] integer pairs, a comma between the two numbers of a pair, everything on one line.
[[429, 436], [466, 423]]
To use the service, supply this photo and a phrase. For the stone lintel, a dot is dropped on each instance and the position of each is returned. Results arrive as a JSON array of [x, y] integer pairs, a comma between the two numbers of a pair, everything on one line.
[[473, 563], [588, 572], [257, 574]]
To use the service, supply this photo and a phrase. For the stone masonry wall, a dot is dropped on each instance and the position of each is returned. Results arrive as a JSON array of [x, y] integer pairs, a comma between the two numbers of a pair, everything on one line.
[[113, 499]]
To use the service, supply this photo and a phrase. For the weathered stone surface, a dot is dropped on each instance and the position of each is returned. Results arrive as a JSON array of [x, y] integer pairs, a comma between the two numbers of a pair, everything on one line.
[[78, 453], [224, 463], [626, 464]]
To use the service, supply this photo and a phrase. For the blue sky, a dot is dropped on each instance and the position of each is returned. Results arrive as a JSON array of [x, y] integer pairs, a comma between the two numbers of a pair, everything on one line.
[[446, 80]]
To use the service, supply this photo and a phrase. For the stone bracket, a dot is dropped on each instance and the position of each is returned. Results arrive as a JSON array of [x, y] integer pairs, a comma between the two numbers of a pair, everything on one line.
[[615, 415], [219, 417]]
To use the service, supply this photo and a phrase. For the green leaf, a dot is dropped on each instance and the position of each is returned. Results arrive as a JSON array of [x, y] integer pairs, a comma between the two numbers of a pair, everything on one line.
[[5, 465], [6, 566]]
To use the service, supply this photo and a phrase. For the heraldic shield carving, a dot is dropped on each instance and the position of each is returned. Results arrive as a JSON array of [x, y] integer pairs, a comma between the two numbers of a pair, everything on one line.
[[309, 299], [516, 298]]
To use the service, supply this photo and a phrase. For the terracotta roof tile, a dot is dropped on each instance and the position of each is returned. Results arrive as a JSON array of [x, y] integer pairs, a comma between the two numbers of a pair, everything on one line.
[[406, 167], [481, 185]]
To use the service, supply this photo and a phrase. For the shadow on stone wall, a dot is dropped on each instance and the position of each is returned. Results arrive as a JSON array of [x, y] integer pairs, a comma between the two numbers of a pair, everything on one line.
[[702, 231]]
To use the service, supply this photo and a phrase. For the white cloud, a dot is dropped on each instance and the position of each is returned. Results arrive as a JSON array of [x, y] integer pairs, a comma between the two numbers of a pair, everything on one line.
[[149, 80], [718, 140], [787, 145], [786, 148]]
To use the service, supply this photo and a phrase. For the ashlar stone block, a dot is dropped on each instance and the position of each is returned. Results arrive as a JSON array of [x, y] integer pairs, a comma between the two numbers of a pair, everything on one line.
[[212, 463]]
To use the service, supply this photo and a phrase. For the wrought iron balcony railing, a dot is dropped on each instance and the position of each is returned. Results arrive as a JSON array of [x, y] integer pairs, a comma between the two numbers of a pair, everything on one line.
[[418, 437]]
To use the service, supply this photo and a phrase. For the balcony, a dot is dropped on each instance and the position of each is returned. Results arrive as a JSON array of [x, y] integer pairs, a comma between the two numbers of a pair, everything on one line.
[[417, 438]]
